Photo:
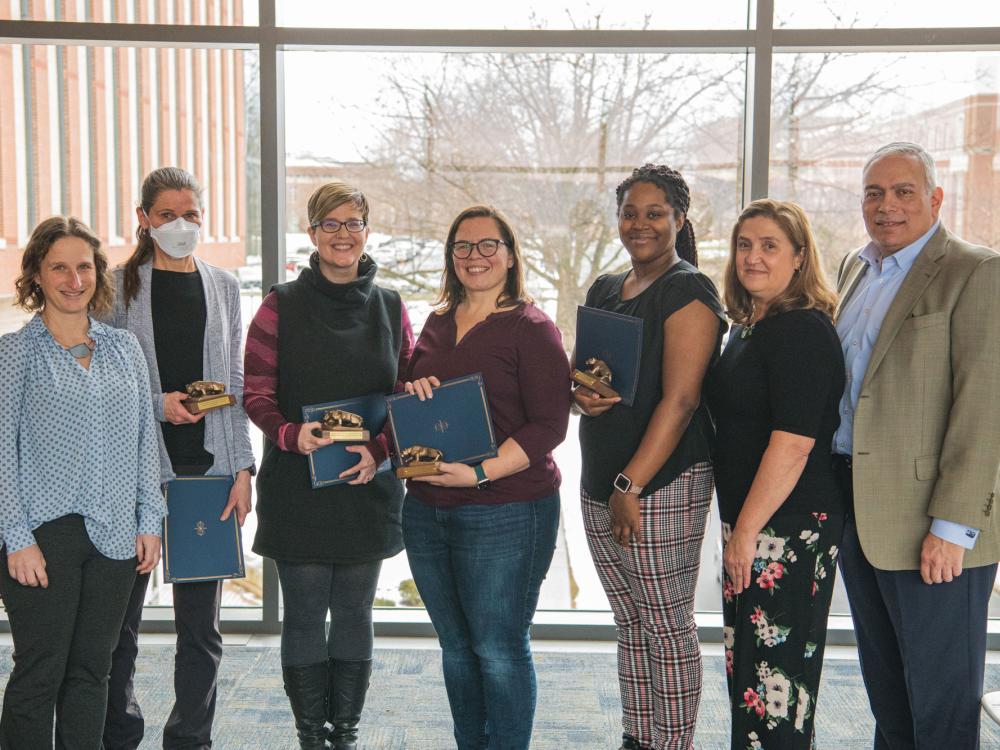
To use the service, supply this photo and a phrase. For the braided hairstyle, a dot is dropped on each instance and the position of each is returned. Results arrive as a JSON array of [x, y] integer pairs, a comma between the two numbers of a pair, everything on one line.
[[678, 195]]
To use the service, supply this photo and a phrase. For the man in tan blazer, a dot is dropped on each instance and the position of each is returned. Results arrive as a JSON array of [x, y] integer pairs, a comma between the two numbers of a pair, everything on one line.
[[918, 450]]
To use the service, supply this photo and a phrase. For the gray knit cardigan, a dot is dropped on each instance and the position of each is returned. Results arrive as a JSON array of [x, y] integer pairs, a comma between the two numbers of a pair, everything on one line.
[[227, 435]]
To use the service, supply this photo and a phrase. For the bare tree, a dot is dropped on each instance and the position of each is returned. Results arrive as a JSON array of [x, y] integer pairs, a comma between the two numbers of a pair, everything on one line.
[[545, 137]]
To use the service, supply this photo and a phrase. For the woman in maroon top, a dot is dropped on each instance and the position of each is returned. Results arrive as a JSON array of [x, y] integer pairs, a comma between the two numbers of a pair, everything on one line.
[[480, 539]]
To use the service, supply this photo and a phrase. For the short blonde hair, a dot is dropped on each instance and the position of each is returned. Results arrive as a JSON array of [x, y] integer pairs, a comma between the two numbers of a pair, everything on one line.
[[808, 288], [29, 295], [327, 197]]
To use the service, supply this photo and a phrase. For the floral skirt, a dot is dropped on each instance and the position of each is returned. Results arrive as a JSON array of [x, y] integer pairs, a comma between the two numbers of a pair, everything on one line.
[[775, 631]]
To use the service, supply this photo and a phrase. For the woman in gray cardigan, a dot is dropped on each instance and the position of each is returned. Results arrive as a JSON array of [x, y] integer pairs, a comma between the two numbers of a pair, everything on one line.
[[186, 315]]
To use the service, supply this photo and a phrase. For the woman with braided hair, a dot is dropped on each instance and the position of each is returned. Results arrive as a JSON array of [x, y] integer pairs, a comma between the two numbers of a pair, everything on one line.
[[647, 478]]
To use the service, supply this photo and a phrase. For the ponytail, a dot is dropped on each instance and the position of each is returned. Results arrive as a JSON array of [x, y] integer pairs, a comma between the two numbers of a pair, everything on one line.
[[164, 178]]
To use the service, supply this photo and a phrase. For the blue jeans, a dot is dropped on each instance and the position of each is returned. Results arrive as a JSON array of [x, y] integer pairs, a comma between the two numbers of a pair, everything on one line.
[[479, 569]]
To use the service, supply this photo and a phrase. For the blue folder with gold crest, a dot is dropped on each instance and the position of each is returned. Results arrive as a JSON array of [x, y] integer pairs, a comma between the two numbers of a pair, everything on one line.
[[456, 421], [326, 463], [197, 546], [615, 339]]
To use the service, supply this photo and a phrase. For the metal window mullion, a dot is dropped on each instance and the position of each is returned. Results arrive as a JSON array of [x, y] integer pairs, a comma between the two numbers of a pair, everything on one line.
[[271, 86], [757, 106]]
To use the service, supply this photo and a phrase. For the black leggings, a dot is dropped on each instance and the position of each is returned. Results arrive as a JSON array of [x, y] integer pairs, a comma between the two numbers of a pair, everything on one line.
[[310, 590]]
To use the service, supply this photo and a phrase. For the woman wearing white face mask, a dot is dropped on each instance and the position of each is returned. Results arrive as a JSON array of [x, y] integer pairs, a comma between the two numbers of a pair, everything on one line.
[[186, 315]]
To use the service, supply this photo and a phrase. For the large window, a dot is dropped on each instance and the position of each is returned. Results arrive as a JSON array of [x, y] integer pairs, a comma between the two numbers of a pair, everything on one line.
[[527, 105], [82, 125], [544, 137]]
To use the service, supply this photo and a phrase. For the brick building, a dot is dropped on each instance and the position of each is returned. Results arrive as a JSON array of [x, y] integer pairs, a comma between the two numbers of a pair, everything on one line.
[[80, 126]]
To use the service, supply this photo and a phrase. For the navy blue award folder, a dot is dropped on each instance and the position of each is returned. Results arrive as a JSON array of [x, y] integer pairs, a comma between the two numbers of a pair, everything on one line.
[[615, 339], [197, 546], [326, 463], [456, 421]]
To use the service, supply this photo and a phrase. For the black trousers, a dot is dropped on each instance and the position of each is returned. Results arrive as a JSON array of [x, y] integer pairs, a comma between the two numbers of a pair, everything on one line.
[[196, 670], [922, 649], [63, 637]]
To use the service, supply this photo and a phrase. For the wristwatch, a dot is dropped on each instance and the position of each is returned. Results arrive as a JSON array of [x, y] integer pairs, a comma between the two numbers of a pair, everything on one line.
[[623, 484], [482, 481]]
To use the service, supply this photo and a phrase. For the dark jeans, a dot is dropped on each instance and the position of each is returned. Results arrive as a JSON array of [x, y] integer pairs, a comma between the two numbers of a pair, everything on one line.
[[63, 636], [196, 670], [479, 569], [310, 590]]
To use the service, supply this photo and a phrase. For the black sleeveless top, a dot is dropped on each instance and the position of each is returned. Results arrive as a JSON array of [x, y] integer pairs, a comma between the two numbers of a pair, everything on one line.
[[608, 442], [335, 341]]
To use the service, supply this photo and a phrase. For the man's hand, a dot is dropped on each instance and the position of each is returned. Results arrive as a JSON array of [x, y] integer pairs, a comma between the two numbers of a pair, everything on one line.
[[940, 560]]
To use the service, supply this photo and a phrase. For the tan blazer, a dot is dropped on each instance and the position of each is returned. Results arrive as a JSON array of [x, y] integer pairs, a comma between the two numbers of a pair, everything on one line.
[[927, 422]]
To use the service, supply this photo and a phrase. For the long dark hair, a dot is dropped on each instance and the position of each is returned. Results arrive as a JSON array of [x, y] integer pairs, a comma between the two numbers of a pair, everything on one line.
[[678, 195], [164, 178]]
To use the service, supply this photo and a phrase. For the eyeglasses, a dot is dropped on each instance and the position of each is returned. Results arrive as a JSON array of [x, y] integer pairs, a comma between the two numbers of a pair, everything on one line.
[[486, 248], [331, 226]]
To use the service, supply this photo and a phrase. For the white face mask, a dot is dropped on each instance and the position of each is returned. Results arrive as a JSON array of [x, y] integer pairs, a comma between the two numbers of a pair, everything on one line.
[[177, 238]]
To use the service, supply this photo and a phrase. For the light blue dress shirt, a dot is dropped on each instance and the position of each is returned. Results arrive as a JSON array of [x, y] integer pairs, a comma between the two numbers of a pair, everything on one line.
[[75, 440], [858, 326]]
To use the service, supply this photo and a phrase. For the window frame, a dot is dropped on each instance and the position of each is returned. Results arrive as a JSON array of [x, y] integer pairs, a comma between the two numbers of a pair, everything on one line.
[[760, 41]]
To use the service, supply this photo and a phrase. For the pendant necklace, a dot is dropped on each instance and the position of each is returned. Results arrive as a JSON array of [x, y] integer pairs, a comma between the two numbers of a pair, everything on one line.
[[747, 331], [80, 351]]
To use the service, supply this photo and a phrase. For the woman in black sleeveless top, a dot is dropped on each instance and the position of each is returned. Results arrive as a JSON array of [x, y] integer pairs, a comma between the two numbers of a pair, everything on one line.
[[330, 334]]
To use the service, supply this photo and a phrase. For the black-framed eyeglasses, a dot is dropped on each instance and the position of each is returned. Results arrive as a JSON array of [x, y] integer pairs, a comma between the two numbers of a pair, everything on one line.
[[487, 247], [330, 226]]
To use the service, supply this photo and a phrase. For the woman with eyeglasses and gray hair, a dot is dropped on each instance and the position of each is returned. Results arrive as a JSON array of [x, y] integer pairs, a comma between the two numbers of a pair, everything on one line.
[[480, 539], [331, 334]]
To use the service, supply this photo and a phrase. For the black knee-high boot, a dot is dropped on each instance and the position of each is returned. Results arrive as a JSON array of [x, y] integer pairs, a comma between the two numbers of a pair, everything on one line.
[[306, 688], [348, 687]]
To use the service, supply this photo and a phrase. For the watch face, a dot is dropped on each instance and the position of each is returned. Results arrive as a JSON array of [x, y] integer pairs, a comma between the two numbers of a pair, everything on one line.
[[622, 483]]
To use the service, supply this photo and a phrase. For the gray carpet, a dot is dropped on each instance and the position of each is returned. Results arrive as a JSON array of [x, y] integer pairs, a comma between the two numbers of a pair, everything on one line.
[[407, 709]]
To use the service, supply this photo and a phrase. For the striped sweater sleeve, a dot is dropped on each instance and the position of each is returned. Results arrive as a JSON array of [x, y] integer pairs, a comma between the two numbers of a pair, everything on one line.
[[260, 372]]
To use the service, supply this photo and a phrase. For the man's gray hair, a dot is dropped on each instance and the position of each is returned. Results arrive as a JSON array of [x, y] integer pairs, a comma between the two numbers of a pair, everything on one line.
[[905, 148]]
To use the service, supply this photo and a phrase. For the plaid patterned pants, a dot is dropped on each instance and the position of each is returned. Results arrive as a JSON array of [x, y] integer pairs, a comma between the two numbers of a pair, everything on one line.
[[651, 590]]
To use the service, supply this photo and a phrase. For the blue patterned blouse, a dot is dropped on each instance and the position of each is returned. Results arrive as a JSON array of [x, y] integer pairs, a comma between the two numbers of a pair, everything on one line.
[[76, 440]]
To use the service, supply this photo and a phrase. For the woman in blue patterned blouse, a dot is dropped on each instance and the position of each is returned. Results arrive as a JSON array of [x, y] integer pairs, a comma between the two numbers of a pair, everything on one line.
[[80, 501]]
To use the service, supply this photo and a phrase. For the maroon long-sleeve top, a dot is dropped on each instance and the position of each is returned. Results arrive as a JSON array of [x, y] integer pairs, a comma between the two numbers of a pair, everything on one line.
[[526, 377]]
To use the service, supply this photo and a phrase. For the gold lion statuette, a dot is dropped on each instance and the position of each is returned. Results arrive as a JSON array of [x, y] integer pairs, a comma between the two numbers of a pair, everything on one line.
[[419, 461], [205, 395], [201, 388], [597, 377], [342, 426]]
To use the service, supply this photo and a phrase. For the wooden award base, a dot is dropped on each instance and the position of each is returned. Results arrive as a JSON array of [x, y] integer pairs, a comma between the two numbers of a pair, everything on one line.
[[346, 435], [200, 404], [418, 469], [595, 384]]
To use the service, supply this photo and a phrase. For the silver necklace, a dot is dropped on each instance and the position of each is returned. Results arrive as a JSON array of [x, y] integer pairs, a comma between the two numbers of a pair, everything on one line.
[[81, 350]]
